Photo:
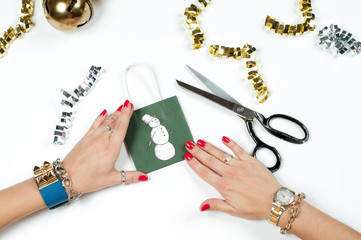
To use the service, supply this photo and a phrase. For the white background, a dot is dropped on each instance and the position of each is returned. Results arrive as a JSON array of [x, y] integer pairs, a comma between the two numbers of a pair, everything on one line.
[[306, 82]]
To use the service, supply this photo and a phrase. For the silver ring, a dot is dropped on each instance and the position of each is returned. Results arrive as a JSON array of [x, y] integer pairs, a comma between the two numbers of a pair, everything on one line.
[[123, 174], [228, 160], [108, 129]]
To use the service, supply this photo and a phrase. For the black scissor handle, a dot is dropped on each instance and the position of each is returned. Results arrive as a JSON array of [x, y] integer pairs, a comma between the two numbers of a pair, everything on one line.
[[260, 145], [282, 135], [275, 153]]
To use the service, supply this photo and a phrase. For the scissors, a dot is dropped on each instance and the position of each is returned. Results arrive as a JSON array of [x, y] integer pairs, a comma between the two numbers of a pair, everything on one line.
[[224, 99]]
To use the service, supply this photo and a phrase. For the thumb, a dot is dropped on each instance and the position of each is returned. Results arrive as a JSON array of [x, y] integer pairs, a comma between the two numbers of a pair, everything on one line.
[[118, 177], [215, 204]]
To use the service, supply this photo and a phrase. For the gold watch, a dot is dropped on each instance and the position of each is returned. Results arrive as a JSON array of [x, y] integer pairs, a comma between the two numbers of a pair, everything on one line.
[[282, 199]]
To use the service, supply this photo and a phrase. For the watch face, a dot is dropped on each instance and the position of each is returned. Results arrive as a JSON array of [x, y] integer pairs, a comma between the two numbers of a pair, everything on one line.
[[284, 196]]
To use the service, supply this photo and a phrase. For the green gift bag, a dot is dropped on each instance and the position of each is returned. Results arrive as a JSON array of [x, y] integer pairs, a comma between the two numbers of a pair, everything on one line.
[[157, 133]]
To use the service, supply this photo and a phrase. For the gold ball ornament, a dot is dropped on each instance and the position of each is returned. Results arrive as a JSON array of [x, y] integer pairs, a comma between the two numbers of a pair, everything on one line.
[[68, 15]]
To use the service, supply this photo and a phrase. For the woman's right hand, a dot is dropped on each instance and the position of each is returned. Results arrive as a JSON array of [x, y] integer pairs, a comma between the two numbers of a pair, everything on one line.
[[91, 163], [246, 184]]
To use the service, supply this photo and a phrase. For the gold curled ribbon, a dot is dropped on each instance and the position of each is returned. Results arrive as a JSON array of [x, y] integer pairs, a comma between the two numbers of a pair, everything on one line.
[[23, 27], [192, 25], [294, 29], [191, 13], [246, 52]]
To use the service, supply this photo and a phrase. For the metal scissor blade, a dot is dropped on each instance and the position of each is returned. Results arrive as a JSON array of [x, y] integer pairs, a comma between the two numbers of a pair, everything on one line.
[[212, 86], [241, 111]]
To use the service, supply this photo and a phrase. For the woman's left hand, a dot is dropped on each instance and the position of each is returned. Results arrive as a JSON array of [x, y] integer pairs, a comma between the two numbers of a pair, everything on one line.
[[245, 183]]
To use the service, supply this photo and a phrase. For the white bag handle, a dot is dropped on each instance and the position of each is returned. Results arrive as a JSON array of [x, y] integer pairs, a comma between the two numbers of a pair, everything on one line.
[[155, 86]]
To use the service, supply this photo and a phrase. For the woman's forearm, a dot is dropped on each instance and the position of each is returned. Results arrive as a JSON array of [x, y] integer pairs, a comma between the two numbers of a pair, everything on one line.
[[18, 201], [314, 224]]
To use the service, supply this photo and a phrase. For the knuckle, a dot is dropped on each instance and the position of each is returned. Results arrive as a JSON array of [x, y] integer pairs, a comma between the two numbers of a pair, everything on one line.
[[197, 152], [225, 186], [130, 179], [244, 165], [210, 160], [239, 151], [120, 125], [110, 121], [215, 206], [235, 174], [108, 151], [97, 141], [203, 172], [126, 110]]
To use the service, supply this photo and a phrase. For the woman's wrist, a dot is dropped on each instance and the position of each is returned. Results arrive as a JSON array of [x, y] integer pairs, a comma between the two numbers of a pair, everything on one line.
[[71, 169], [269, 200], [49, 179], [66, 181], [284, 218], [288, 216]]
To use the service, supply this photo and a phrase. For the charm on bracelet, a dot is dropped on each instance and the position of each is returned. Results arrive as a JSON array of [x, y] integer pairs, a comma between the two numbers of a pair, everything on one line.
[[335, 38], [71, 99], [44, 175], [294, 29]]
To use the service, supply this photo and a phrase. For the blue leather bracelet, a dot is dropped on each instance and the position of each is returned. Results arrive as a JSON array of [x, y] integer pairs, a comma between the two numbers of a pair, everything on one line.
[[54, 195], [50, 186]]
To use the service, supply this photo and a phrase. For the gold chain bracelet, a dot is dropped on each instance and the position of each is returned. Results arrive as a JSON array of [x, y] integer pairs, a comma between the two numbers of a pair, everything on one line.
[[23, 27], [293, 214]]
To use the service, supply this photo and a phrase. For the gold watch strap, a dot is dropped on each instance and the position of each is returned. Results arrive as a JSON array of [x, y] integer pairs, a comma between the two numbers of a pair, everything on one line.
[[275, 213]]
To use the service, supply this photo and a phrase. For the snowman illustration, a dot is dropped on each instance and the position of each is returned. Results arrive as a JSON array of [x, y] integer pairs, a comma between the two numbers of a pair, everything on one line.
[[163, 149]]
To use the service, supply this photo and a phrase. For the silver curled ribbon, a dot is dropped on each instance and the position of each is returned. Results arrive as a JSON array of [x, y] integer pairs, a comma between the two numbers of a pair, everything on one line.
[[71, 99], [341, 40]]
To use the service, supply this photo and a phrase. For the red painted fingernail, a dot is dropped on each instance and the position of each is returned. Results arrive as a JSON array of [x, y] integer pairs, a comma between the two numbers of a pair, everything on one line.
[[226, 139], [189, 145], [126, 103], [104, 112], [120, 108], [188, 156], [131, 105], [143, 178], [201, 143], [205, 207]]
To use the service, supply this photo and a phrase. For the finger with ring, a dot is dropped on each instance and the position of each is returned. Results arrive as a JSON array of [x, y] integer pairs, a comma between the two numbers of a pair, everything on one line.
[[108, 129], [219, 154], [228, 159]]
